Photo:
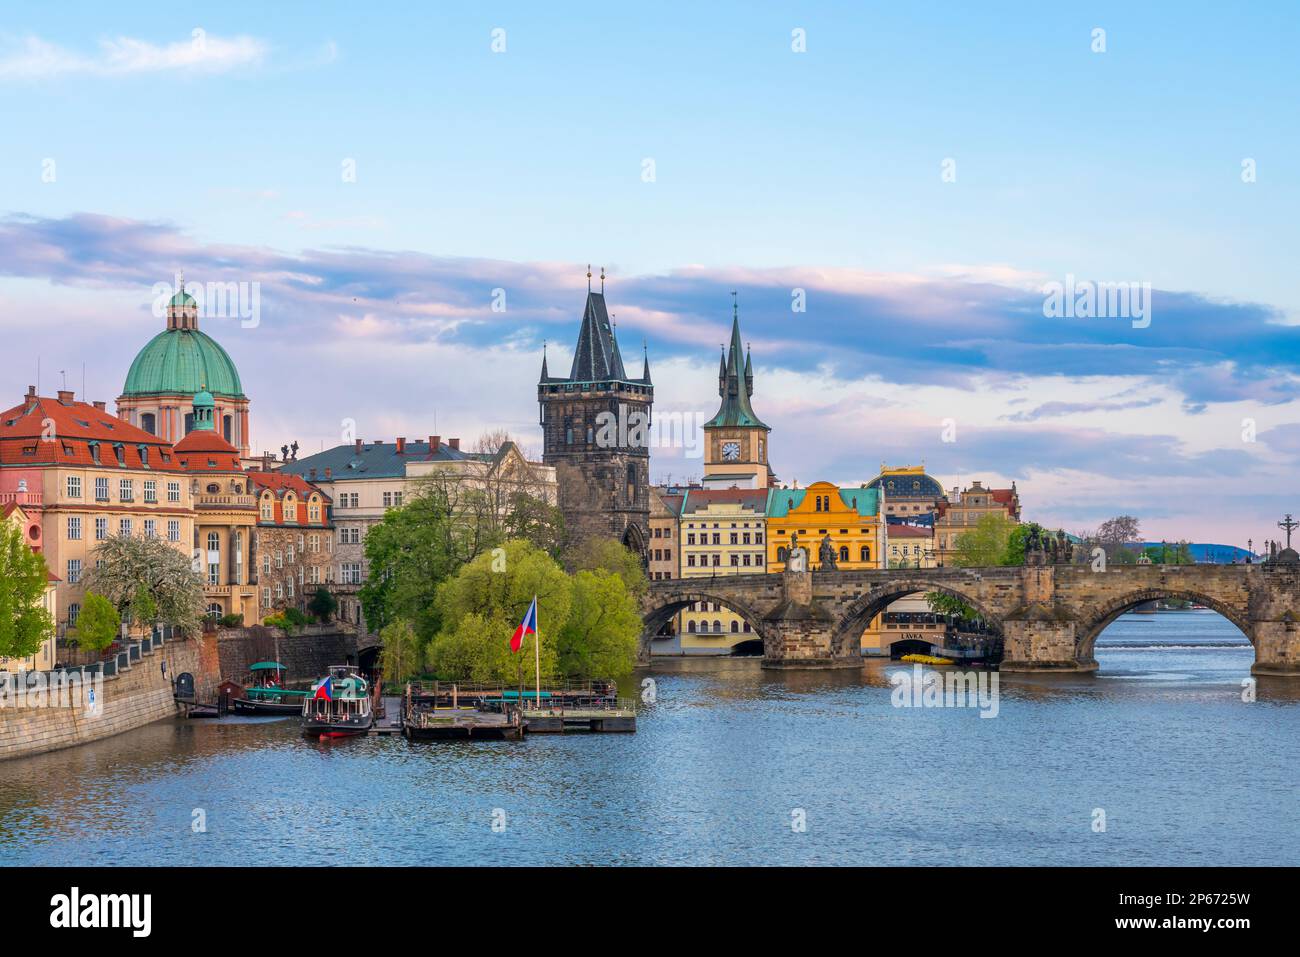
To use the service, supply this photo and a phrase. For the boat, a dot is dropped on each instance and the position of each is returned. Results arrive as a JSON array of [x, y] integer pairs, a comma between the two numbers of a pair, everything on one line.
[[338, 705], [264, 694], [926, 659]]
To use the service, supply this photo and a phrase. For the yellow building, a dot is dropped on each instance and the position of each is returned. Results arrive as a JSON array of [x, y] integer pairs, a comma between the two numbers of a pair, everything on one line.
[[848, 520], [225, 516], [722, 533], [96, 476], [30, 527], [962, 510]]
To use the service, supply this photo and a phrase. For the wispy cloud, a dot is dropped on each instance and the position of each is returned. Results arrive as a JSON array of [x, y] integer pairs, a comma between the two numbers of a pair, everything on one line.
[[33, 58]]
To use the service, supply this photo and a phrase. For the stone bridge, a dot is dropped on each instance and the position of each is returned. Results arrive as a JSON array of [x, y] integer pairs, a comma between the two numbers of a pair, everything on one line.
[[1048, 615]]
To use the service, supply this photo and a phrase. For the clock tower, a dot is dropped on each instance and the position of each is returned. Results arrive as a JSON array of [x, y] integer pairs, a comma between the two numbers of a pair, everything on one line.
[[735, 447]]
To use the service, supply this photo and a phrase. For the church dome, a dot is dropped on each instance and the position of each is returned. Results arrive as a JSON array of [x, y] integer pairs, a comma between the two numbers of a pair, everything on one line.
[[183, 362]]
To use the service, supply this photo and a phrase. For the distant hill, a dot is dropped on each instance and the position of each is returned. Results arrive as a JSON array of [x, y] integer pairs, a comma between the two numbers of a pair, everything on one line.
[[1211, 553]]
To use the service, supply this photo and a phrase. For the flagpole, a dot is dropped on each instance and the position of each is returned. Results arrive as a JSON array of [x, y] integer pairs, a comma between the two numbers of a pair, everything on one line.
[[537, 651]]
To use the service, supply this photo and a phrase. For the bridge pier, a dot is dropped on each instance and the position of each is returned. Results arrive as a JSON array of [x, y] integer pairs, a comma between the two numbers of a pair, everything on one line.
[[1042, 641], [799, 632], [1277, 647]]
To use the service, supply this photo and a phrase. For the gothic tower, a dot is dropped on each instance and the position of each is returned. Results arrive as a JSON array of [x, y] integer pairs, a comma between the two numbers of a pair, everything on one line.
[[596, 431], [735, 448]]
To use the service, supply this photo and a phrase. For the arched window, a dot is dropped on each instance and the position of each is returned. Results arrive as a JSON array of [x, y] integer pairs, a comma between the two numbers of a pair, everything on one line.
[[690, 626], [781, 554], [844, 553], [149, 423], [735, 626], [717, 627], [866, 554]]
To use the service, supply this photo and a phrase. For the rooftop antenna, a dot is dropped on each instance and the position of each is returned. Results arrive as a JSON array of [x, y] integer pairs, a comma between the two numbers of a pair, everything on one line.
[[64, 373]]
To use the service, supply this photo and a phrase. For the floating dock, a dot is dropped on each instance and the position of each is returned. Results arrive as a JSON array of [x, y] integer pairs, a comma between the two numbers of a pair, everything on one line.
[[596, 720]]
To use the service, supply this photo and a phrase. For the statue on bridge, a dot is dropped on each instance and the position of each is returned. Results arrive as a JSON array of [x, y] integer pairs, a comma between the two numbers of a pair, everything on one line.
[[797, 560], [826, 554]]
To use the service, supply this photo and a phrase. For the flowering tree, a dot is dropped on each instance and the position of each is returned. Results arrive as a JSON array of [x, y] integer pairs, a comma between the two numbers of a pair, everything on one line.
[[147, 580]]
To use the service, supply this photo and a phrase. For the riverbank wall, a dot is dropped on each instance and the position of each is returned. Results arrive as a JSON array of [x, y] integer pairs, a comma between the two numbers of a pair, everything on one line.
[[138, 694], [306, 654]]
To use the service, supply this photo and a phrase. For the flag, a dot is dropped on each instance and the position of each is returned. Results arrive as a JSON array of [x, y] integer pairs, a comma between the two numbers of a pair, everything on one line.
[[324, 689], [526, 627]]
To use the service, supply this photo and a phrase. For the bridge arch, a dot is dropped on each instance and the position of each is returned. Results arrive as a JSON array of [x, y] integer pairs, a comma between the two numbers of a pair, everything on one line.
[[1104, 615], [663, 609], [858, 615]]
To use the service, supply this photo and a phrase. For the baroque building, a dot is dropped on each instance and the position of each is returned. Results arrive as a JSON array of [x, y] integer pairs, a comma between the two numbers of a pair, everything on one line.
[[723, 533], [223, 517], [595, 434], [172, 368], [295, 540], [736, 448]]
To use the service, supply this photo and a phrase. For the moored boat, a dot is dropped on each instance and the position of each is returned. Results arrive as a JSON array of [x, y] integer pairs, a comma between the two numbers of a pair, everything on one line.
[[338, 705], [263, 694]]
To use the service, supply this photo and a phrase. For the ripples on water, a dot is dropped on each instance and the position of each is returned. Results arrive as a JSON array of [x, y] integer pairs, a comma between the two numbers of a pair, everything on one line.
[[1160, 739]]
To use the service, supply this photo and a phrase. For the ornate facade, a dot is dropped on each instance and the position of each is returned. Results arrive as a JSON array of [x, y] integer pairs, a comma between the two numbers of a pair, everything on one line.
[[736, 448]]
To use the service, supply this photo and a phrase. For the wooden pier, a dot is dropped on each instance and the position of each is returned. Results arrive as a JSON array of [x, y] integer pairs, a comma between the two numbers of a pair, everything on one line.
[[438, 711]]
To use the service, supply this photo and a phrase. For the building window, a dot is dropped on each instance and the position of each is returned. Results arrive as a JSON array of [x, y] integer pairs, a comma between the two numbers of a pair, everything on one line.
[[266, 563], [150, 491], [865, 554], [313, 543], [690, 627], [74, 486], [266, 597], [173, 530], [101, 529], [844, 553], [126, 490], [214, 573], [74, 528], [74, 572], [74, 612], [101, 490], [124, 527], [150, 528], [173, 491]]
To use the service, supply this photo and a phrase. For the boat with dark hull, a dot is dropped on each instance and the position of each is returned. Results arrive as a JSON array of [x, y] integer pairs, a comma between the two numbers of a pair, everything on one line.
[[263, 694], [338, 705]]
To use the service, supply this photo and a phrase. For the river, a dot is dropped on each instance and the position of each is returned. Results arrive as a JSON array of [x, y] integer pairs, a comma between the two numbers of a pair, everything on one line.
[[724, 766]]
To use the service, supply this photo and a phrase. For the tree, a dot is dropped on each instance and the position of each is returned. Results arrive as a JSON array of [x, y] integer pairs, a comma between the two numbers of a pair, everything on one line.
[[942, 603], [599, 640], [1119, 531], [25, 624], [147, 580], [98, 624], [493, 592], [986, 544], [402, 654], [610, 555], [323, 605]]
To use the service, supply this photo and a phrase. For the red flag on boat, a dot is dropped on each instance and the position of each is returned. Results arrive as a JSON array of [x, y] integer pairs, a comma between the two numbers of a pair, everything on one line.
[[324, 689], [526, 627]]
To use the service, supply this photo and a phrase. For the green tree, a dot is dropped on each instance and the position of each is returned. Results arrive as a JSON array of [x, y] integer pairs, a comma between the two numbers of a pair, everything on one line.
[[599, 640], [609, 555], [25, 623], [147, 580], [986, 544], [323, 605], [98, 624], [402, 653], [483, 603], [942, 603]]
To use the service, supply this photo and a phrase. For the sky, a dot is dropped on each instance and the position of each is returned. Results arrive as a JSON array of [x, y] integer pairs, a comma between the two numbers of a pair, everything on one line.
[[415, 194]]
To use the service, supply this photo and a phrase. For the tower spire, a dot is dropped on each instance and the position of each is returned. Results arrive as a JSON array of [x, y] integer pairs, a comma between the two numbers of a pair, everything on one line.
[[588, 277], [602, 280]]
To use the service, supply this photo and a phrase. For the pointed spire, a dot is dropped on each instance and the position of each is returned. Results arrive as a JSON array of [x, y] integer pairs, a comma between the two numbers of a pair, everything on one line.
[[645, 368], [545, 374], [722, 369], [736, 368], [749, 372], [588, 277]]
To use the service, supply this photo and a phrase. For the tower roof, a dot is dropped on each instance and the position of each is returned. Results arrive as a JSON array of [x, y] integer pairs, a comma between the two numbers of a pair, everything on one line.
[[596, 358], [735, 384], [182, 362]]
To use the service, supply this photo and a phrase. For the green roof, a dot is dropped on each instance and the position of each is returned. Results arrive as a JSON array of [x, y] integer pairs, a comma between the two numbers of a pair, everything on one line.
[[780, 500], [182, 298], [735, 385], [183, 362]]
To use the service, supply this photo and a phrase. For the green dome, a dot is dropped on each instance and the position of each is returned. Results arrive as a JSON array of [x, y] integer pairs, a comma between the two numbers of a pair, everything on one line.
[[182, 298], [183, 362]]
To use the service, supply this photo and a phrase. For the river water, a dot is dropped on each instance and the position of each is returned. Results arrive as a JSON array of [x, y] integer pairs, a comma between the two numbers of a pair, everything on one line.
[[725, 766]]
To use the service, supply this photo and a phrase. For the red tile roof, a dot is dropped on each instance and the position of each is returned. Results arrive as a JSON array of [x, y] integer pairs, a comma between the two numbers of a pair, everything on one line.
[[279, 483], [909, 531], [751, 498], [62, 431], [206, 451]]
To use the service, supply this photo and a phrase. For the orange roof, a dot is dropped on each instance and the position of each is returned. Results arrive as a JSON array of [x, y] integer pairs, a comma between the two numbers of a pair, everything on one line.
[[63, 431], [278, 482], [206, 451]]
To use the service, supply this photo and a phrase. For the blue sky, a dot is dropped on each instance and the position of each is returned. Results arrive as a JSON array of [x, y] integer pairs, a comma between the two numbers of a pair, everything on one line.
[[774, 170]]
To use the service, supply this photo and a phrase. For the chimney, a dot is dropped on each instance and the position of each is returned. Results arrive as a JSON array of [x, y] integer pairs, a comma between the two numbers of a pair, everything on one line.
[[358, 446], [65, 397], [454, 443], [29, 401], [435, 443], [99, 406], [401, 445]]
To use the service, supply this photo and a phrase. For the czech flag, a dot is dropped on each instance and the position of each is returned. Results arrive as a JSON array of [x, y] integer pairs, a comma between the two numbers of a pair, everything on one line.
[[325, 689], [526, 627]]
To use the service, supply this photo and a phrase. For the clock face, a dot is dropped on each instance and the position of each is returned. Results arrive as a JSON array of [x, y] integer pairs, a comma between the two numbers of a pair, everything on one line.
[[731, 451]]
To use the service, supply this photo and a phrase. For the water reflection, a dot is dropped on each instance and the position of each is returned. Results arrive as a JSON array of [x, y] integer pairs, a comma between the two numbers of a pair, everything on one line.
[[1159, 737]]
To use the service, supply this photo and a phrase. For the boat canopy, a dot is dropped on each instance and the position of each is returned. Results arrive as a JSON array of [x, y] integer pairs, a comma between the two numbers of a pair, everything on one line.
[[267, 666]]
